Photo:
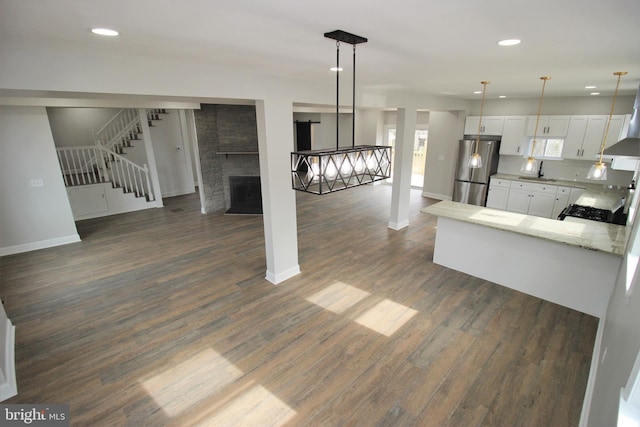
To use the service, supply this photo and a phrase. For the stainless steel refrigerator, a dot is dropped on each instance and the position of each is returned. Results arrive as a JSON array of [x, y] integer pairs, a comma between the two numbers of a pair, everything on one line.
[[471, 185]]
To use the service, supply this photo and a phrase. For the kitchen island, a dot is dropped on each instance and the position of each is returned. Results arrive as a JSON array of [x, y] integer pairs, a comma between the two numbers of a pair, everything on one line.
[[572, 263]]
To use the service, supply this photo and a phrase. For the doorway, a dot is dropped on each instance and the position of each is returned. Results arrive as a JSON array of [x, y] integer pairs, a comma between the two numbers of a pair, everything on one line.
[[419, 153]]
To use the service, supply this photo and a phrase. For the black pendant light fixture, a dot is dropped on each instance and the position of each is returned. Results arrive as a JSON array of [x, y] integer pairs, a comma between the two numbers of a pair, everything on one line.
[[325, 171]]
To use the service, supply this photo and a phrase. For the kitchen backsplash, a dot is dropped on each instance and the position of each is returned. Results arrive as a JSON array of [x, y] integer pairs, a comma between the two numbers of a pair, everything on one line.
[[567, 170]]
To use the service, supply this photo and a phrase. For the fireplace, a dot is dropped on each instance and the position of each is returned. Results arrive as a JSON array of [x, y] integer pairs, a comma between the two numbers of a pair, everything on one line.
[[245, 195]]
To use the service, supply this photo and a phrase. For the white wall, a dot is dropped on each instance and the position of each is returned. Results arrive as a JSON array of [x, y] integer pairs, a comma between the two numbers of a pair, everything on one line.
[[72, 127], [445, 129], [574, 105], [369, 127], [621, 343], [31, 217], [324, 133]]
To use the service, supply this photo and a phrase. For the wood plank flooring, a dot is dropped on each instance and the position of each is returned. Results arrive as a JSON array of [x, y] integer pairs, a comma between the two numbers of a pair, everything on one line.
[[163, 317]]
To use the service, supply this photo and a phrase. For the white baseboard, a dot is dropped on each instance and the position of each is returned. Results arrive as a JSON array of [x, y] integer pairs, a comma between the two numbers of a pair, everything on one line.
[[282, 276], [436, 196], [42, 244], [398, 225]]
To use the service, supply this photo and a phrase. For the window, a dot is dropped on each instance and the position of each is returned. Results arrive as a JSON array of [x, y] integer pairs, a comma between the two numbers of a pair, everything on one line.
[[550, 148], [419, 152]]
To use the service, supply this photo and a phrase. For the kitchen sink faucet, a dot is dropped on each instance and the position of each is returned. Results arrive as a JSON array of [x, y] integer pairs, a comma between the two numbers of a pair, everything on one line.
[[540, 173]]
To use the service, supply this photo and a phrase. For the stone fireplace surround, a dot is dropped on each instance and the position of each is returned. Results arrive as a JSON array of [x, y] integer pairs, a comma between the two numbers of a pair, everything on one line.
[[228, 146]]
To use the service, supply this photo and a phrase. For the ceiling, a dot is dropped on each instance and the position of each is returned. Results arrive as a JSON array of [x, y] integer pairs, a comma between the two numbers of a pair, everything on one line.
[[436, 48]]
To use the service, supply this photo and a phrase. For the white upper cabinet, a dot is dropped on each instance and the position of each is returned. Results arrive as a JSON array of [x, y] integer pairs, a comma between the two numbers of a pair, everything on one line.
[[584, 138], [549, 126], [572, 148], [491, 125], [514, 139]]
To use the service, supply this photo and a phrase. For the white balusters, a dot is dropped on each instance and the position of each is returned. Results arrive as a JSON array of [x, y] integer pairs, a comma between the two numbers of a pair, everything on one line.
[[83, 165]]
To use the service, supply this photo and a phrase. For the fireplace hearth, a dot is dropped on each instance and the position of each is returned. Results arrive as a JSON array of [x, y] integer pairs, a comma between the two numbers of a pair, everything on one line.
[[245, 195]]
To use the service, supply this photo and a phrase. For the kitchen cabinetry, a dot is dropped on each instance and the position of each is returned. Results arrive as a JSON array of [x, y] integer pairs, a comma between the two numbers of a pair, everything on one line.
[[531, 198], [585, 134], [595, 133], [514, 139], [549, 126], [498, 194], [491, 125], [561, 201], [565, 196]]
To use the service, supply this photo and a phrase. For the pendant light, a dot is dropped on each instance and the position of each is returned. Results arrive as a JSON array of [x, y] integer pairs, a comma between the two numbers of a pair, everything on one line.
[[530, 165], [475, 161], [325, 171], [598, 170]]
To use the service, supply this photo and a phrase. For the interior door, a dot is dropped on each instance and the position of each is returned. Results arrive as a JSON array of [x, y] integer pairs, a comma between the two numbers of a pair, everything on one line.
[[171, 154]]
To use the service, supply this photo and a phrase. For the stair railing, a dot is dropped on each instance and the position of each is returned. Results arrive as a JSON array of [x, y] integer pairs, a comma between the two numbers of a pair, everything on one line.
[[79, 167], [118, 129], [129, 176], [96, 164]]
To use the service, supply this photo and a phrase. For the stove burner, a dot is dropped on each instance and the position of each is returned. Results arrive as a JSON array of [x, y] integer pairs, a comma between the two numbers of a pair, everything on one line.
[[587, 212]]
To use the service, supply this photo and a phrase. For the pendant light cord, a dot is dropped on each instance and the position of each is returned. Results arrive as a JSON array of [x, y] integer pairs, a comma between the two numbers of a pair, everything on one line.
[[353, 97], [535, 131], [484, 90], [337, 95], [613, 106]]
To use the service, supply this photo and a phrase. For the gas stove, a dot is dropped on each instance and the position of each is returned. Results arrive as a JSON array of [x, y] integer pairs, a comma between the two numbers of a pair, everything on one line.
[[591, 213]]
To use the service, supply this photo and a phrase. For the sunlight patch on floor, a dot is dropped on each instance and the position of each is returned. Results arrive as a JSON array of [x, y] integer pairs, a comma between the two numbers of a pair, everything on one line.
[[386, 317], [256, 407], [338, 297], [178, 388]]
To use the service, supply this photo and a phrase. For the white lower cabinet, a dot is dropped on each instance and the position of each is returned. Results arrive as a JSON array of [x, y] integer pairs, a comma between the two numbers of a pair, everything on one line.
[[532, 198], [518, 201], [541, 204], [498, 194], [562, 200]]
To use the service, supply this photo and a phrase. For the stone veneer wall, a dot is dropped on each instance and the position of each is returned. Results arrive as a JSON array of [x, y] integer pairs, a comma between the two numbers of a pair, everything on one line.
[[225, 128]]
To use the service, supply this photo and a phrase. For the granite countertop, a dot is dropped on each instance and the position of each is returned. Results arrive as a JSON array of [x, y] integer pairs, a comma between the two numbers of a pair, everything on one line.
[[595, 195], [593, 235]]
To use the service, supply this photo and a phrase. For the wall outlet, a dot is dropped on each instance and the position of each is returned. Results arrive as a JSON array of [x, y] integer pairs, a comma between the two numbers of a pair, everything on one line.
[[37, 183], [441, 157]]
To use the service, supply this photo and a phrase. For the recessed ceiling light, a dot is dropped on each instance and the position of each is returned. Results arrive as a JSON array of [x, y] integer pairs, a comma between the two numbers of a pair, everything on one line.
[[104, 32], [477, 92], [594, 93], [502, 96], [589, 87], [336, 69], [509, 42]]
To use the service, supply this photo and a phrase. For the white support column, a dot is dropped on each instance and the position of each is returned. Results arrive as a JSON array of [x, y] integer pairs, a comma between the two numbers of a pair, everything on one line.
[[275, 143], [190, 125], [401, 190], [151, 159]]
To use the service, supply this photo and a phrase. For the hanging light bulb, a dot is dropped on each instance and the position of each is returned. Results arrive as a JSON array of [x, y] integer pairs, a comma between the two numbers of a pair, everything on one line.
[[598, 171], [475, 160], [530, 165]]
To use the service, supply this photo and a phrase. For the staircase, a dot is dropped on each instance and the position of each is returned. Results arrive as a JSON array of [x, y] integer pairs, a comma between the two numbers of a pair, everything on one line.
[[90, 172]]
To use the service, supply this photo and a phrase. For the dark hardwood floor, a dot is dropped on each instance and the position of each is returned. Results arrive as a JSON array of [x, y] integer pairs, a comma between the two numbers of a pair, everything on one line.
[[163, 317]]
